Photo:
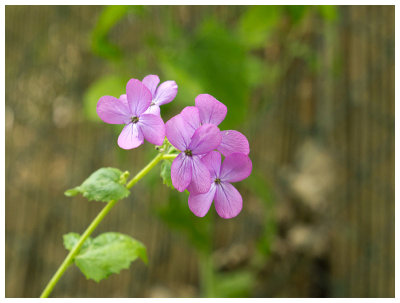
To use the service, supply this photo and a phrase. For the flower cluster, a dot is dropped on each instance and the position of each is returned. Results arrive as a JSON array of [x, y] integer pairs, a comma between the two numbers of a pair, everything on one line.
[[139, 110], [194, 132], [198, 167]]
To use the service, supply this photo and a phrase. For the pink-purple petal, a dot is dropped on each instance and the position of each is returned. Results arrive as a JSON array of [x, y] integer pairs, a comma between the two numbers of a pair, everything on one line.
[[191, 115], [178, 132], [233, 142], [153, 128], [131, 137], [212, 161], [165, 93], [236, 167], [201, 179], [206, 138], [124, 100], [151, 82], [181, 172], [112, 110], [153, 109], [228, 201], [139, 97], [200, 204], [211, 110]]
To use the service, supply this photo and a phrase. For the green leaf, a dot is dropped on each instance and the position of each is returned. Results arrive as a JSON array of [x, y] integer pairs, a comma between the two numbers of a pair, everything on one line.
[[104, 185], [71, 192], [108, 19], [166, 173], [210, 50], [71, 239], [257, 24], [107, 254]]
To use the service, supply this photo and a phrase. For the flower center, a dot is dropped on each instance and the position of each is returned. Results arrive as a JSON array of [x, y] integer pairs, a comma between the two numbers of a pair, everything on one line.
[[217, 181], [135, 119], [188, 152], [152, 103]]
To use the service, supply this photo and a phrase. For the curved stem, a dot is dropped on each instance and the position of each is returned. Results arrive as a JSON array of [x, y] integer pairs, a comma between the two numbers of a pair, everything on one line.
[[144, 171], [75, 250], [70, 257]]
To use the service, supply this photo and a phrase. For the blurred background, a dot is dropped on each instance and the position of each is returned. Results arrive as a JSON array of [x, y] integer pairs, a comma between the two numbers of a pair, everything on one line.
[[312, 87]]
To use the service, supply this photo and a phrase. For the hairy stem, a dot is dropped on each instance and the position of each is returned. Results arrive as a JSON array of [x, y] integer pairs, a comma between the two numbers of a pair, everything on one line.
[[75, 250]]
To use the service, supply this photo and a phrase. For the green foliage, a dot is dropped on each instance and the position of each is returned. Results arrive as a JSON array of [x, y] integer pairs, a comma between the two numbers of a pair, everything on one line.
[[177, 216], [166, 173], [257, 24], [104, 185], [328, 12], [259, 186], [297, 12], [109, 17], [236, 284], [212, 61], [106, 254], [71, 239], [109, 85]]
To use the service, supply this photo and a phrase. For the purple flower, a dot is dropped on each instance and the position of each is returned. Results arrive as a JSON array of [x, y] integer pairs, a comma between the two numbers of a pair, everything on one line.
[[214, 112], [162, 94], [227, 199], [185, 134], [131, 111]]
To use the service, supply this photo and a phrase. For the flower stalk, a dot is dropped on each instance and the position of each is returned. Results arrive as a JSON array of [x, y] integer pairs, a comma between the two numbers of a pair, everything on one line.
[[70, 257]]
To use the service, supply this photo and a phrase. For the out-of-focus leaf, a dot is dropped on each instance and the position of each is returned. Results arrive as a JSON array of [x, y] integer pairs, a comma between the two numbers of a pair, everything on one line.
[[257, 23], [256, 70], [104, 185], [328, 12], [177, 216], [109, 17], [213, 62], [259, 185], [188, 86], [296, 12], [107, 254], [166, 173], [110, 85], [236, 284]]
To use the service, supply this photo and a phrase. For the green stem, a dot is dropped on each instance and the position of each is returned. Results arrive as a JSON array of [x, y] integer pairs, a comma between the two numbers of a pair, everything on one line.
[[170, 156], [70, 257], [75, 250]]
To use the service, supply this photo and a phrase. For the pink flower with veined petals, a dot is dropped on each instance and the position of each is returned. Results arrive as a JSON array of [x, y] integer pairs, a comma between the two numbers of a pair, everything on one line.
[[163, 94], [227, 199], [214, 112], [139, 125], [193, 141]]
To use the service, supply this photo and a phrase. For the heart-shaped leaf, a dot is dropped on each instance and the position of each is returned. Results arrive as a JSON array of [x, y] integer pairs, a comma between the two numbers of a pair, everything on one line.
[[104, 185], [106, 254]]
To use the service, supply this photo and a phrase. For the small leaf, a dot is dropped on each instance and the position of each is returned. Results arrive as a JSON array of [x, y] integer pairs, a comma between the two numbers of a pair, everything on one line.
[[106, 254], [166, 173], [123, 178], [103, 185], [72, 192], [71, 239]]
